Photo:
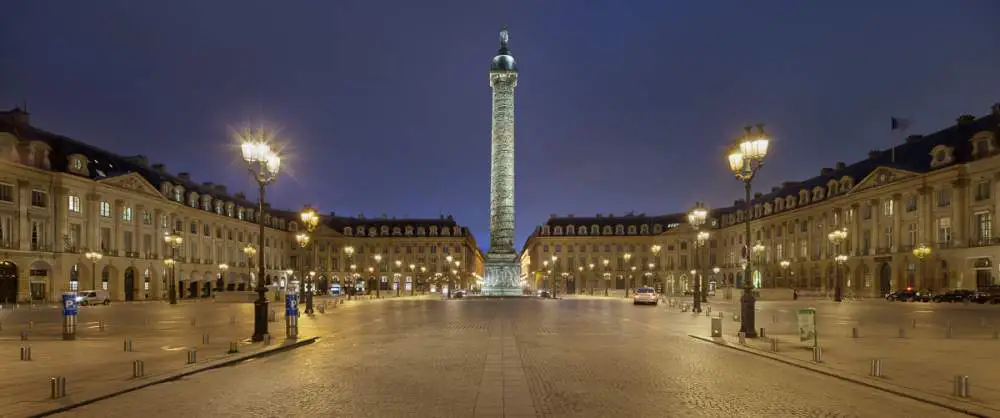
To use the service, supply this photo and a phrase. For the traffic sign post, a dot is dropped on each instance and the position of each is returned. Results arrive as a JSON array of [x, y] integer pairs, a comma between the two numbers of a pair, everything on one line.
[[291, 315], [69, 315]]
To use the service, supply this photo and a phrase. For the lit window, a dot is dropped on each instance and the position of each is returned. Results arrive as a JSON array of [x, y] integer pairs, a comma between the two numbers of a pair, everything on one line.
[[105, 209], [74, 203], [127, 214]]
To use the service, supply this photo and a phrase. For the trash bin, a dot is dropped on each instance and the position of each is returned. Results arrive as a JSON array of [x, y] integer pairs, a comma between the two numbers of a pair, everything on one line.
[[716, 327]]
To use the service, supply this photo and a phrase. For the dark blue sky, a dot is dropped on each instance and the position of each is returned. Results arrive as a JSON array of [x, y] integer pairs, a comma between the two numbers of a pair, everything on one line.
[[385, 104]]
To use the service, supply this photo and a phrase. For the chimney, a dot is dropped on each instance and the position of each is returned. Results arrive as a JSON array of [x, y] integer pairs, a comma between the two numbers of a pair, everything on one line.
[[221, 188], [552, 216], [841, 165], [995, 109], [913, 138], [160, 168], [16, 116], [775, 189], [209, 185], [241, 196], [184, 176], [873, 154], [965, 119], [825, 171]]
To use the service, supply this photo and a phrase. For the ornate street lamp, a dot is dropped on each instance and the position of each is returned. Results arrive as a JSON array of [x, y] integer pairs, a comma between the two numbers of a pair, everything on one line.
[[746, 157], [655, 248], [398, 277], [593, 281], [554, 275], [423, 276], [310, 220], [223, 267], [922, 252], [836, 238], [413, 280], [264, 164], [349, 252], [607, 276], [696, 218], [784, 264], [378, 278], [169, 262], [174, 241], [625, 271], [249, 250], [94, 257]]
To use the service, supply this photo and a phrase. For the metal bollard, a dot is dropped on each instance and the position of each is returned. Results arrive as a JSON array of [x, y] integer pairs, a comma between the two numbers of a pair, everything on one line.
[[267, 339], [234, 347], [774, 345], [24, 335], [25, 353], [138, 368], [232, 319], [962, 386], [914, 323], [743, 338], [100, 325], [58, 385], [902, 332], [708, 311], [996, 334], [31, 325], [876, 368], [762, 334], [774, 318], [983, 323], [947, 332], [321, 308], [194, 322], [716, 327], [817, 354], [1, 325], [205, 339], [128, 345], [854, 332], [192, 356]]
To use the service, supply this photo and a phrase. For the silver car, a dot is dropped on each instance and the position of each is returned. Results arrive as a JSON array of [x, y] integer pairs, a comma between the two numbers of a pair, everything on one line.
[[645, 296]]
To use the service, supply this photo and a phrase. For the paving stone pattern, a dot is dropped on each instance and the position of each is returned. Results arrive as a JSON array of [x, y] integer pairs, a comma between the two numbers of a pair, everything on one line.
[[509, 358]]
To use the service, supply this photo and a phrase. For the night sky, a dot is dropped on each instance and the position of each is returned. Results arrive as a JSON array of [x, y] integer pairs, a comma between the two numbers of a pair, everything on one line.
[[384, 106]]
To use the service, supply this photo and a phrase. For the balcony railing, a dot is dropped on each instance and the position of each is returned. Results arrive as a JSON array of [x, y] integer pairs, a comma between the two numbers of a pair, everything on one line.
[[882, 250], [984, 242], [132, 254], [35, 246]]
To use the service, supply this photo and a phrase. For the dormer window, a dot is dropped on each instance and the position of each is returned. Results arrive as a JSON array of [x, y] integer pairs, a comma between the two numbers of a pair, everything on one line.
[[348, 231], [372, 232], [803, 197], [179, 194], [631, 229], [619, 229], [767, 208], [396, 231], [421, 231], [607, 230], [546, 230], [831, 187], [941, 155], [983, 144], [657, 229], [445, 231], [790, 202], [595, 230], [817, 193], [557, 230], [644, 229], [583, 230], [193, 200], [434, 230], [570, 230], [409, 230], [779, 204], [384, 230]]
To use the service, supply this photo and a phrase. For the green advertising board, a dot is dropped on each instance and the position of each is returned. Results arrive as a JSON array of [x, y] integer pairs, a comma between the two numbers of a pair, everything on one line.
[[807, 325]]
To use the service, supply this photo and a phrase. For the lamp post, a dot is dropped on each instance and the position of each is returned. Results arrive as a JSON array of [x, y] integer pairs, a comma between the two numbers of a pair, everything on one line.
[[784, 271], [398, 276], [310, 220], [579, 272], [593, 279], [625, 271], [655, 249], [249, 250], [836, 238], [371, 274], [169, 262], [607, 276], [263, 163], [758, 253], [174, 241], [94, 257], [555, 276], [449, 259], [458, 274], [378, 277], [746, 157], [922, 252], [545, 267], [715, 276], [349, 252], [223, 267], [423, 277], [413, 280], [696, 218]]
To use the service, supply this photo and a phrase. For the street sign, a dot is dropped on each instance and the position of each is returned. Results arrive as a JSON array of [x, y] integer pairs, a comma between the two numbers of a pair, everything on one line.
[[807, 325], [291, 305], [69, 304]]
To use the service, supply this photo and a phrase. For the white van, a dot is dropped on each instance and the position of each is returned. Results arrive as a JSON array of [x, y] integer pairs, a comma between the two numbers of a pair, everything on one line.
[[93, 297]]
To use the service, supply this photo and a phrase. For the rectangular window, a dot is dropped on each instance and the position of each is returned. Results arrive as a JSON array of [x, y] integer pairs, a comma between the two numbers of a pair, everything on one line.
[[888, 237], [888, 208], [983, 190], [105, 209], [984, 226], [911, 203], [944, 231], [164, 222], [944, 197], [39, 199], [911, 234], [6, 192], [74, 203], [147, 218], [128, 241], [127, 214]]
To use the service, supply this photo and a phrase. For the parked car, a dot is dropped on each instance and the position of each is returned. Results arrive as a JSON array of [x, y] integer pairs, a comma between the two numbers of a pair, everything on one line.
[[93, 297], [645, 296], [956, 295], [544, 294], [989, 294], [907, 295], [459, 294]]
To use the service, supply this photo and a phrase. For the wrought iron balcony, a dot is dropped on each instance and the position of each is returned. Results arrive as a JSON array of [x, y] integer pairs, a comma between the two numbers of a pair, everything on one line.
[[984, 242]]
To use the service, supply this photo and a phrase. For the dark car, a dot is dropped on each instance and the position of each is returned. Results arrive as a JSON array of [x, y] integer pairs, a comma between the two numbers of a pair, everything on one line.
[[908, 295], [459, 294], [989, 294], [544, 294], [957, 295]]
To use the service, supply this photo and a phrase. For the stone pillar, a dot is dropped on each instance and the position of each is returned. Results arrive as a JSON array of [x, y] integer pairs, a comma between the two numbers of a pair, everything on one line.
[[92, 227], [23, 224], [897, 222], [877, 233], [855, 230], [118, 240], [925, 228], [960, 229], [62, 219]]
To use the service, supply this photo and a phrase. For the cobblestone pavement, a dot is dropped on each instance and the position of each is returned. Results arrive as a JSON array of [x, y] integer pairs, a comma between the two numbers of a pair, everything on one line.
[[509, 358]]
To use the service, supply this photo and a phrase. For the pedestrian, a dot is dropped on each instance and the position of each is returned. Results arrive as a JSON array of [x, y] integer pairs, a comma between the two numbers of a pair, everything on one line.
[[795, 294]]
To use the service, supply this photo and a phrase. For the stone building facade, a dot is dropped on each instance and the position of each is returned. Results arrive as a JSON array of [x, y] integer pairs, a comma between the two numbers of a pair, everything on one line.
[[938, 191], [61, 199]]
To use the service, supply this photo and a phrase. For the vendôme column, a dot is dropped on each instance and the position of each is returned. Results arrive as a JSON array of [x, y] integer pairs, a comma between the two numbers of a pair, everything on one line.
[[502, 268]]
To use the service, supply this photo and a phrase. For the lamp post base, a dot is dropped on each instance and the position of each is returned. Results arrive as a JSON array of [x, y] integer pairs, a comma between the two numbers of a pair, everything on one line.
[[259, 319], [747, 314], [696, 306], [309, 302], [838, 294]]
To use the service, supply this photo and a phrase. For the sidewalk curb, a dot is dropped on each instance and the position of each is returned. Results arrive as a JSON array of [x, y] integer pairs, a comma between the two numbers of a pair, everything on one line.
[[179, 374], [940, 401]]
